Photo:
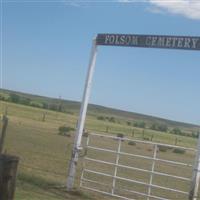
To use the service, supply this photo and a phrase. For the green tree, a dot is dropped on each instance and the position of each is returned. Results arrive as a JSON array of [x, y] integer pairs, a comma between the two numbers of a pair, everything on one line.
[[25, 101], [162, 127], [101, 118], [14, 98], [112, 119], [176, 131], [139, 124]]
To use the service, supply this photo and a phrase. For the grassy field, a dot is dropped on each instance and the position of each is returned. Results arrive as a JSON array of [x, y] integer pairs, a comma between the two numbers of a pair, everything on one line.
[[44, 154]]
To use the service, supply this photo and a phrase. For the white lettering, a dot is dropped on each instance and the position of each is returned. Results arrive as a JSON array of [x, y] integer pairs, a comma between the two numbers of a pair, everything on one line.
[[174, 41], [194, 43], [153, 41], [187, 43], [168, 42], [122, 39], [107, 39], [148, 41], [180, 42], [117, 39], [161, 41], [134, 40], [128, 40], [112, 39]]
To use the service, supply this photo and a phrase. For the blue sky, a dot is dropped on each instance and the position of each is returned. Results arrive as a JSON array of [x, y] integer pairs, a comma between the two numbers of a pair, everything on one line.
[[46, 48]]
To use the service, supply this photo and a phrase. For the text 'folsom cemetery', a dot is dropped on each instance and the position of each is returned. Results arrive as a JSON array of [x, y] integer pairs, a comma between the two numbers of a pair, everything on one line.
[[149, 41]]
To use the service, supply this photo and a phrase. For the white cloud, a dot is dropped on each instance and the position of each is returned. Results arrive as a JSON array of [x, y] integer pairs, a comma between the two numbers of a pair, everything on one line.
[[187, 8]]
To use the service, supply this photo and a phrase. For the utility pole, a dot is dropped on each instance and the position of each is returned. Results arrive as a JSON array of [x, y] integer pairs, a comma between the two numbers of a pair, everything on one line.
[[82, 116]]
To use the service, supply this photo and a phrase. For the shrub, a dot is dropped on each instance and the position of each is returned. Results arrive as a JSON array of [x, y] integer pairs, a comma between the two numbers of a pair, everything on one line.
[[45, 105], [112, 119], [195, 135], [176, 131], [53, 107], [2, 97], [85, 134], [140, 124], [128, 123], [25, 101], [180, 151], [65, 130], [36, 104], [120, 135], [146, 138], [153, 126], [159, 127], [162, 148], [101, 118], [14, 98], [162, 127], [131, 143]]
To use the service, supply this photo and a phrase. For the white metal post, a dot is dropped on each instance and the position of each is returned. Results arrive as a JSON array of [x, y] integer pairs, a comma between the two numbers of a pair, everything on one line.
[[82, 116], [152, 170], [116, 165], [196, 175]]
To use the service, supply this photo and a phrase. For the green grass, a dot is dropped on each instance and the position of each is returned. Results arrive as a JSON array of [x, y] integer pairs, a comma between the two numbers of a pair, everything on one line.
[[44, 154], [34, 187]]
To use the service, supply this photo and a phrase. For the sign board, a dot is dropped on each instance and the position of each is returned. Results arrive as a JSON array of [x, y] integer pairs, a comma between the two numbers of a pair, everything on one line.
[[149, 41]]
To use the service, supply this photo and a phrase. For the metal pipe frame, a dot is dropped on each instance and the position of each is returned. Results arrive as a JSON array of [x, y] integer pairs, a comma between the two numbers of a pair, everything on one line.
[[137, 182], [144, 142], [117, 165]]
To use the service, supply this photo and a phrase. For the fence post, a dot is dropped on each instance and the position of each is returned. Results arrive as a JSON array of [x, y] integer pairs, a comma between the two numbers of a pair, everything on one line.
[[152, 170], [133, 133], [107, 129], [3, 132], [116, 165], [193, 195], [8, 171]]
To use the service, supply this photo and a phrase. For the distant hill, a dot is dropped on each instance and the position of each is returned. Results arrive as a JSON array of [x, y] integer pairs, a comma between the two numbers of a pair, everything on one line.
[[97, 110]]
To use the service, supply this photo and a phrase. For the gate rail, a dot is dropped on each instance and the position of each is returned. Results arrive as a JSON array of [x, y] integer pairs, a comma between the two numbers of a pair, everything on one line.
[[152, 172]]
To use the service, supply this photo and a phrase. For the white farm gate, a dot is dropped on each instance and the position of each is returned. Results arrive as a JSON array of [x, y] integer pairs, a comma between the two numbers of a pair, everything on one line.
[[134, 169]]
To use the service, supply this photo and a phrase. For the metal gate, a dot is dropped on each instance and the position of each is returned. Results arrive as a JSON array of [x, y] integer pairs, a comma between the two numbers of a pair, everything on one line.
[[134, 169]]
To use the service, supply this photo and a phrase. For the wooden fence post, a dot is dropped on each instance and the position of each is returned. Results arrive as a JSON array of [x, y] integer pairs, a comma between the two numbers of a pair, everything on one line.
[[8, 168], [3, 132], [107, 129], [8, 171], [133, 133]]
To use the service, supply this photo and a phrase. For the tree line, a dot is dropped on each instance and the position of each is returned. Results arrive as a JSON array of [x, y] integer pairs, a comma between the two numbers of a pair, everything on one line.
[[15, 98]]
